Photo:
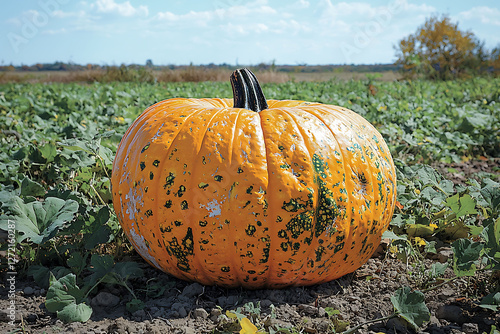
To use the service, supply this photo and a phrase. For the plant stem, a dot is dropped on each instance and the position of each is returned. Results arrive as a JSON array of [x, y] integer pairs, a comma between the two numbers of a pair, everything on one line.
[[352, 330], [247, 93]]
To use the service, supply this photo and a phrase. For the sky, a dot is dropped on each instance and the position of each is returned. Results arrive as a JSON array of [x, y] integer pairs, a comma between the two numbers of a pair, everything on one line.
[[235, 32]]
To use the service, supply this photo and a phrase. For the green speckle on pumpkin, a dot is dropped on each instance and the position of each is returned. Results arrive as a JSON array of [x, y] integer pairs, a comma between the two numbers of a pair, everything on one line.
[[169, 181], [250, 230], [145, 148], [181, 191]]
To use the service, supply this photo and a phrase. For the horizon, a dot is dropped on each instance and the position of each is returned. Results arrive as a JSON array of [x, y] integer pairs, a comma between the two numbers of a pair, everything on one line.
[[313, 33]]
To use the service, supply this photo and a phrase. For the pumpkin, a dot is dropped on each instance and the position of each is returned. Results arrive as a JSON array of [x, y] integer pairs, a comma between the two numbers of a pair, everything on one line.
[[253, 193]]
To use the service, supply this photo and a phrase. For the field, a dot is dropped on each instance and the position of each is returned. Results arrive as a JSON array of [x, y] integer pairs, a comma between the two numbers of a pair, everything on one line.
[[436, 271], [189, 74]]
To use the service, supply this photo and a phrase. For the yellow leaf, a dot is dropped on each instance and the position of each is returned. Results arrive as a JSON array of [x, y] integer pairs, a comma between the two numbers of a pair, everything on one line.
[[231, 315], [419, 241], [247, 327]]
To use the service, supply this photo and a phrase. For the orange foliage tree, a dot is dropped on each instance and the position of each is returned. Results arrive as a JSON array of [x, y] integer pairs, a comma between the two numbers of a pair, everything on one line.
[[440, 50]]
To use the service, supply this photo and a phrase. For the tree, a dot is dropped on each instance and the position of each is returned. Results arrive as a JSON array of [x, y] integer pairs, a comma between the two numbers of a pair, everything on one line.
[[440, 50]]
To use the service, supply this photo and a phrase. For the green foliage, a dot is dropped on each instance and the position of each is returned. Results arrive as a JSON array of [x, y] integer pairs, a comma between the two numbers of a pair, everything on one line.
[[65, 298], [410, 306]]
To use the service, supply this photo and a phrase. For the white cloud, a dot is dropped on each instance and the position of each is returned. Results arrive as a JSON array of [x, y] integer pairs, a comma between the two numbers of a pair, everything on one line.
[[484, 14], [302, 4], [55, 31], [122, 9], [62, 15], [230, 13]]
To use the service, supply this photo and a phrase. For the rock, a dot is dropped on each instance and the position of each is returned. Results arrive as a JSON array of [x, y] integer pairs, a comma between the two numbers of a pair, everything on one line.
[[192, 290], [443, 254], [232, 300], [189, 330], [215, 312], [446, 293], [105, 299], [139, 314], [451, 313], [308, 310], [354, 308], [180, 309], [470, 328], [266, 303], [182, 312], [321, 312], [28, 291], [322, 325], [200, 313], [278, 323], [433, 329], [434, 321]]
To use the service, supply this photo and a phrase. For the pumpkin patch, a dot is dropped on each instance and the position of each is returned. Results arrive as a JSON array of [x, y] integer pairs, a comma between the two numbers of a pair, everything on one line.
[[253, 193]]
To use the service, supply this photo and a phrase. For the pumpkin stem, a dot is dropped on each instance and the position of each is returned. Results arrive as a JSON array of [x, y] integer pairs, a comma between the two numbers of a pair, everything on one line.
[[247, 93]]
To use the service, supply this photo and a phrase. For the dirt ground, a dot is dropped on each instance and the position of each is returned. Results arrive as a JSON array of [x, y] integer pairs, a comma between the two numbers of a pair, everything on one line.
[[192, 308]]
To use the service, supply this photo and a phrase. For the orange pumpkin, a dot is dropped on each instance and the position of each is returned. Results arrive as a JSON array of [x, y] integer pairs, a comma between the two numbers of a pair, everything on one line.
[[253, 193]]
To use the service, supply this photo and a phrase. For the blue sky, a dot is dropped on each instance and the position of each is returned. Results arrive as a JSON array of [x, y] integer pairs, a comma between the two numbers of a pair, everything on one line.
[[112, 32]]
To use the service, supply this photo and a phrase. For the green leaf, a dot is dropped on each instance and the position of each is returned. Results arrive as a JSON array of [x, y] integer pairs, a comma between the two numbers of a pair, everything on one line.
[[127, 270], [491, 301], [48, 151], [65, 298], [465, 254], [398, 221], [77, 262], [75, 312], [491, 235], [100, 236], [101, 265], [491, 194], [331, 311], [62, 292], [429, 176], [419, 230], [41, 274], [494, 330], [410, 305], [461, 205], [438, 269], [393, 236], [433, 196], [38, 221], [135, 305], [31, 188]]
